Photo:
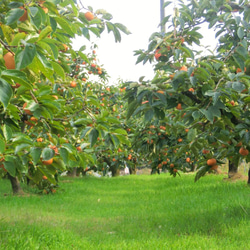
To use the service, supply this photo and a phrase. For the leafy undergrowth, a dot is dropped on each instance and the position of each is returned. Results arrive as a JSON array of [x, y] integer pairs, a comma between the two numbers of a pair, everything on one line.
[[129, 212]]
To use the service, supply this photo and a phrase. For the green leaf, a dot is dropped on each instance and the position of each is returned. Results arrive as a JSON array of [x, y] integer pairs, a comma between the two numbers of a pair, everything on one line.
[[45, 32], [7, 132], [238, 86], [64, 154], [201, 172], [47, 153], [10, 167], [5, 92], [96, 31], [25, 57], [17, 76], [240, 62], [17, 38], [21, 147], [13, 15], [123, 28], [35, 154], [131, 108], [85, 32], [2, 146], [74, 8], [115, 140], [49, 172], [240, 32], [208, 114], [65, 26], [93, 135], [69, 148], [149, 115], [123, 139], [120, 131], [58, 69], [215, 111], [192, 133], [83, 56]]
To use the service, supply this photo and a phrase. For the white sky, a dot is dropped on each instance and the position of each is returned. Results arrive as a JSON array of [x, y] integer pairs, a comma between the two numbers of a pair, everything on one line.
[[142, 18]]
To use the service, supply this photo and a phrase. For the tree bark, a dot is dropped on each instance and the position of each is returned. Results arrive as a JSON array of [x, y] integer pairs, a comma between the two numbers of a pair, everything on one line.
[[72, 173], [15, 184], [248, 177], [115, 171], [232, 168]]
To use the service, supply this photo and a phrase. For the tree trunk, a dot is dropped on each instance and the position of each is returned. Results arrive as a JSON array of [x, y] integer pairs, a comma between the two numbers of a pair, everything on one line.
[[72, 173], [132, 170], [248, 177], [115, 171], [15, 184], [232, 168]]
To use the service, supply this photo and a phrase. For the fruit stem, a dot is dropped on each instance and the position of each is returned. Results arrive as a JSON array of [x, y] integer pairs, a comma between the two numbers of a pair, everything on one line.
[[33, 97], [6, 46]]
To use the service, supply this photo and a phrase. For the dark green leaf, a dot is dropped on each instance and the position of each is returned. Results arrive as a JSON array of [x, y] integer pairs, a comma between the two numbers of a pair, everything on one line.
[[35, 154], [18, 76], [240, 32], [5, 93], [13, 15], [10, 166], [93, 135], [25, 57], [64, 154], [2, 146], [47, 153]]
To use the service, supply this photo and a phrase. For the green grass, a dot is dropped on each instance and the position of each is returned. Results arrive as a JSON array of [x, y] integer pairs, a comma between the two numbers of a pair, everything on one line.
[[129, 212]]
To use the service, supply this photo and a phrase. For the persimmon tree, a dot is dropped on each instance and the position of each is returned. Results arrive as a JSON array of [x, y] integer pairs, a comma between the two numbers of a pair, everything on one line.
[[49, 113], [208, 95]]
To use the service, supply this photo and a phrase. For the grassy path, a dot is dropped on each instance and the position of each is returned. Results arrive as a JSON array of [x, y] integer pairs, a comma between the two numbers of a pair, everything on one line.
[[130, 212]]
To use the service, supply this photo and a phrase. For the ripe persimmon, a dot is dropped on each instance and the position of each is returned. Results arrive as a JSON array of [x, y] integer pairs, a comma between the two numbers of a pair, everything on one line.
[[214, 167], [45, 177], [160, 92], [27, 111], [48, 162], [65, 47], [211, 162], [171, 76], [238, 70], [157, 54], [24, 17], [232, 102], [171, 165], [243, 151], [179, 106], [188, 159], [205, 151], [73, 84], [9, 60], [183, 68], [89, 16]]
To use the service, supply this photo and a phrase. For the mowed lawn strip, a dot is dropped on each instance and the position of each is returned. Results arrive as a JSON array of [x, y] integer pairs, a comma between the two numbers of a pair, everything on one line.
[[129, 212]]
